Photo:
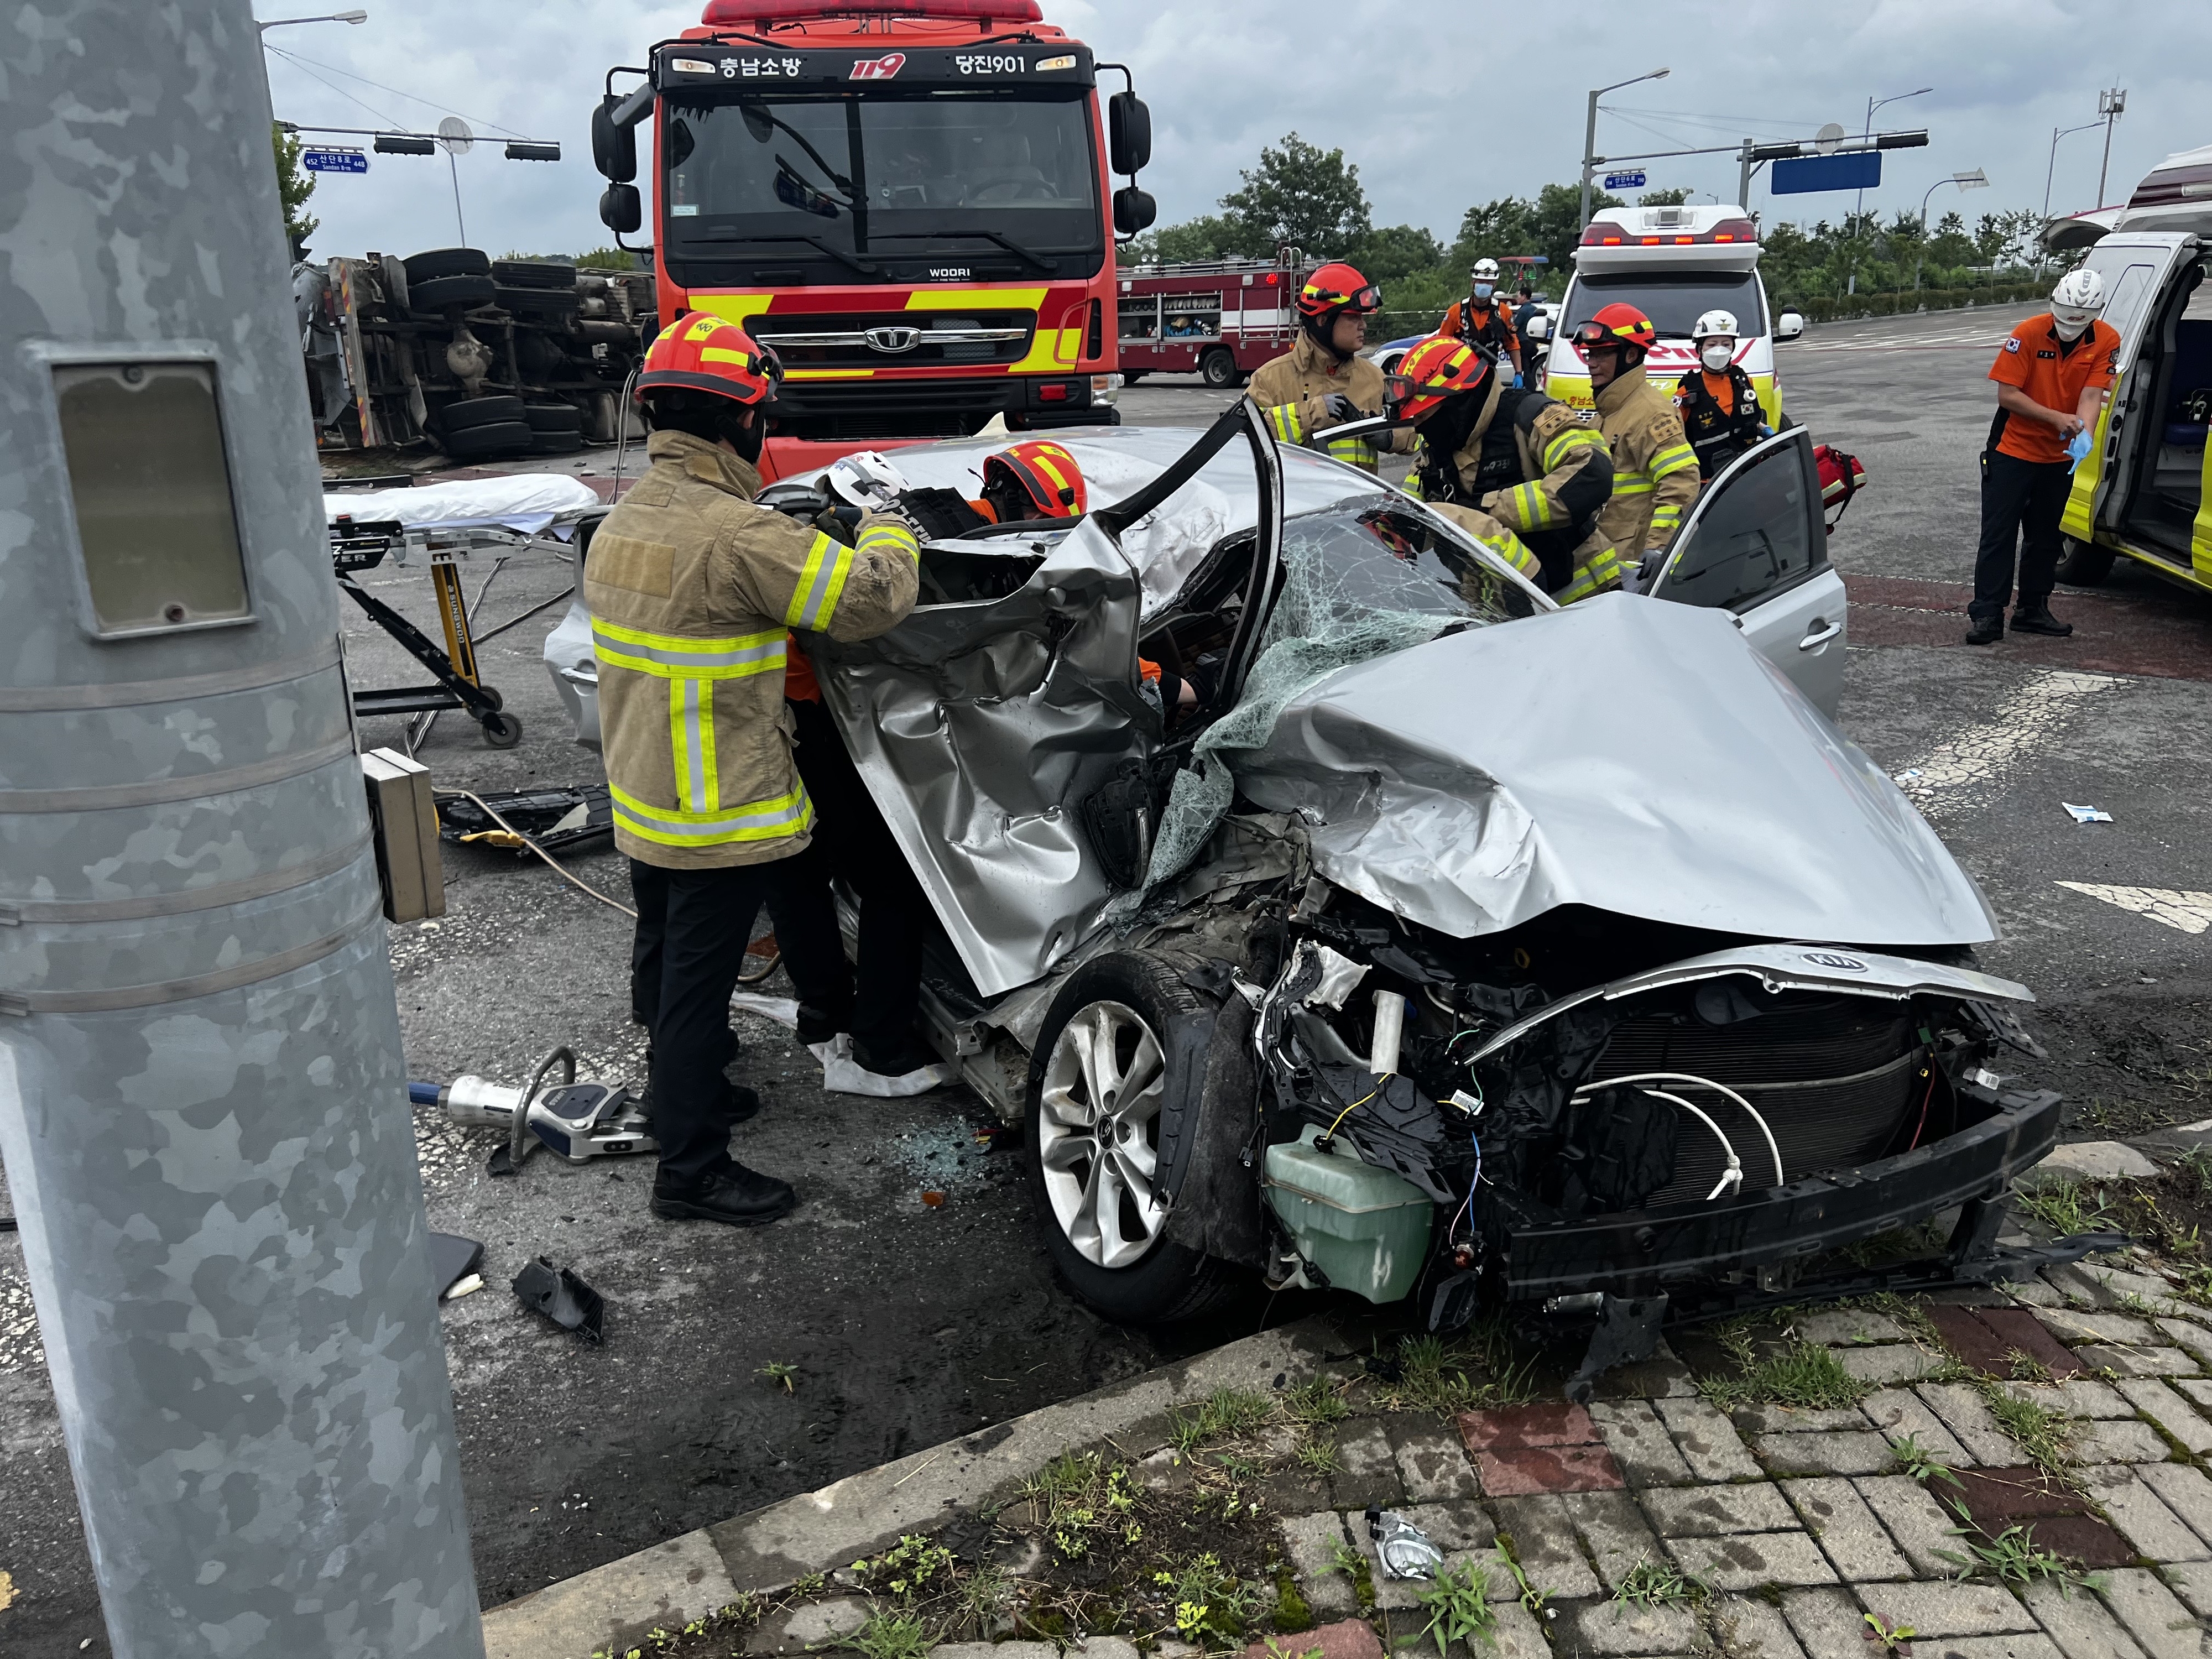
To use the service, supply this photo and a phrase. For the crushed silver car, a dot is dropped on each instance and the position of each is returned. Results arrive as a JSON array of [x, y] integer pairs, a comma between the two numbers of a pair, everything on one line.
[[1458, 947]]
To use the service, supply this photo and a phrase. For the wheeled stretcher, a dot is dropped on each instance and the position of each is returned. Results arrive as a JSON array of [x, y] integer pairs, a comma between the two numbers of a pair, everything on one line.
[[502, 517]]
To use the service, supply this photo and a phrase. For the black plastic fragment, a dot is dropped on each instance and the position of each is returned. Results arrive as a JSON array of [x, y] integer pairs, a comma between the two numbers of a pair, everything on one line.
[[453, 1259], [562, 1298]]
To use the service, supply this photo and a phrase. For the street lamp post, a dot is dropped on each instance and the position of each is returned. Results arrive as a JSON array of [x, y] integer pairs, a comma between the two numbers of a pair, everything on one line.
[[1975, 181], [2056, 133], [1874, 104], [1590, 132], [353, 16]]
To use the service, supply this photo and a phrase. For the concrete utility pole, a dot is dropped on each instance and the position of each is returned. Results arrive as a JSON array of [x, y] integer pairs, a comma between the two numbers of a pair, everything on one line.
[[1590, 132], [203, 1107], [2110, 105]]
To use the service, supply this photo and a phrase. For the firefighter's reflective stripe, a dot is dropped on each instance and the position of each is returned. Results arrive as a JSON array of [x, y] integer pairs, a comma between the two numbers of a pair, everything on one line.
[[755, 821], [820, 582], [691, 740], [1532, 507], [889, 538], [1352, 452], [1515, 551], [673, 656], [1283, 421], [1574, 438], [1596, 574], [1666, 517]]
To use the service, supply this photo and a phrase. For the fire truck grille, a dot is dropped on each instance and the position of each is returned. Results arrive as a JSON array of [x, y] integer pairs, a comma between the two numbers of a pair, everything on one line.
[[896, 340], [829, 411]]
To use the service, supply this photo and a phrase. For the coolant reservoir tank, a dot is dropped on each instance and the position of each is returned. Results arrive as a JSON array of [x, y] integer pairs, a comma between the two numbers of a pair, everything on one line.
[[1366, 1228]]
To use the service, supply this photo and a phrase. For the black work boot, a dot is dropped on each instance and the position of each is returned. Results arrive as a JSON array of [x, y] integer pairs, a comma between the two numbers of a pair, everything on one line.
[[738, 1197], [1986, 630], [2033, 617]]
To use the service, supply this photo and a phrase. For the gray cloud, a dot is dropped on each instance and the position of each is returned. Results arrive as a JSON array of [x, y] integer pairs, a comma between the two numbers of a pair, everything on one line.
[[1441, 105]]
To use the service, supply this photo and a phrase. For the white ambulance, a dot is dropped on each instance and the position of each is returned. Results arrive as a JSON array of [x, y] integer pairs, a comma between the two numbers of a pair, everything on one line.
[[1674, 264]]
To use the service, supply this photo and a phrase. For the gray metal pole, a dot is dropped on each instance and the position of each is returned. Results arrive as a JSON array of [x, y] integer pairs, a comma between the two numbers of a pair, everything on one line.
[[203, 1107], [1743, 178], [1589, 155]]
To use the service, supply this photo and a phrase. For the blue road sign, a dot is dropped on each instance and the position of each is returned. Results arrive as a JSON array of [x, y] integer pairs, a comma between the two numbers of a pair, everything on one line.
[[1853, 169], [337, 158], [1624, 180]]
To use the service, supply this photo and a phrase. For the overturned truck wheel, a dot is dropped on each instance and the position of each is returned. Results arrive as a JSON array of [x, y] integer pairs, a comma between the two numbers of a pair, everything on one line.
[[1117, 1105]]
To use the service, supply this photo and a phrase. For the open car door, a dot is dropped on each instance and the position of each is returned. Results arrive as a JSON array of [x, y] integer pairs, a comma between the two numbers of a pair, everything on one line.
[[1755, 545], [983, 722], [2137, 267]]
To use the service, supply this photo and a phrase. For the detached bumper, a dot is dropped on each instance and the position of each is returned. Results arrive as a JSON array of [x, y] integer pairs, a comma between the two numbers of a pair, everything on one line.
[[1649, 1252]]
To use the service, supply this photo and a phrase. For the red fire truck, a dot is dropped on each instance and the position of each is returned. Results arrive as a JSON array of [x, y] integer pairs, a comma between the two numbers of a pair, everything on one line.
[[909, 199], [1220, 319]]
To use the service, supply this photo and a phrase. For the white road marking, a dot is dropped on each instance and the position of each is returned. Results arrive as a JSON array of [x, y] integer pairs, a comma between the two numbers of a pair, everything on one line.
[[1965, 768], [2187, 913]]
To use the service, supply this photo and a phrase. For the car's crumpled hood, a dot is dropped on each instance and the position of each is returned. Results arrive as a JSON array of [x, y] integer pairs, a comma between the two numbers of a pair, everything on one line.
[[1624, 755]]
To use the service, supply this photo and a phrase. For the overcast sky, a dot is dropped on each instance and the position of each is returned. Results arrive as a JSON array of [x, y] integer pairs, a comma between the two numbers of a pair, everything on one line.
[[1439, 104]]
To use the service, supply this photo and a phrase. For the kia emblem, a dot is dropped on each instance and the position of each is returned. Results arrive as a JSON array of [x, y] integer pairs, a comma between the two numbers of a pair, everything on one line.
[[1830, 959]]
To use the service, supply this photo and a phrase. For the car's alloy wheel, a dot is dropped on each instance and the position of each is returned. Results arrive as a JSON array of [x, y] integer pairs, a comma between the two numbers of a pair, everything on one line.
[[1098, 1134]]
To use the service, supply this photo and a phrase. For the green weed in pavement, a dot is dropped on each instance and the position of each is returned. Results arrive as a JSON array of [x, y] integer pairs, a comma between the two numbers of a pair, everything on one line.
[[1805, 1375], [1457, 1603]]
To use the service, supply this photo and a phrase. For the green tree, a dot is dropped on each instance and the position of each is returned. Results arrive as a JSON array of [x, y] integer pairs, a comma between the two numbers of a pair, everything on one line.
[[1389, 253], [295, 185], [1671, 197], [1950, 245], [1302, 195]]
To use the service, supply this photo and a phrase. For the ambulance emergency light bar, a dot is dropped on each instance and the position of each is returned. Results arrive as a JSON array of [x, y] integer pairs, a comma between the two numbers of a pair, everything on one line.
[[1602, 234]]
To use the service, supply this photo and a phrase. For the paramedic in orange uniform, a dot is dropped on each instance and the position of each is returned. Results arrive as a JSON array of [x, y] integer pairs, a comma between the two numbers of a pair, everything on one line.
[[2052, 377]]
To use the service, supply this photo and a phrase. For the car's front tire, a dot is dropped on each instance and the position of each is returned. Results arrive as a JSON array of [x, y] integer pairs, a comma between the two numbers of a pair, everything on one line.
[[1116, 1081], [2084, 564]]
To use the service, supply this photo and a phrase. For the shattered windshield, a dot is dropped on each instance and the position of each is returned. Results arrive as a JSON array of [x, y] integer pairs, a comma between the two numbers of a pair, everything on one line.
[[1382, 558]]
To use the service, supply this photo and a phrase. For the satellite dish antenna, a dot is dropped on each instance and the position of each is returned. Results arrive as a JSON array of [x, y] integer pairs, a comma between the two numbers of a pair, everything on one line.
[[1830, 135], [453, 133]]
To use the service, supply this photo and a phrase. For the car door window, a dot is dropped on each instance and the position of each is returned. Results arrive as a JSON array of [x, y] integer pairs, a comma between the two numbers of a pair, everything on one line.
[[1755, 531]]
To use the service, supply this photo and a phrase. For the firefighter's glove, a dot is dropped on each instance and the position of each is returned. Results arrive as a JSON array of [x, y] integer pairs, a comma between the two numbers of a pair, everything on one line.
[[1341, 409], [841, 523]]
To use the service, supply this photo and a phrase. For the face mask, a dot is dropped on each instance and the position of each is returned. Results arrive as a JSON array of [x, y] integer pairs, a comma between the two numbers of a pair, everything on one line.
[[2069, 331], [1484, 290], [1714, 356]]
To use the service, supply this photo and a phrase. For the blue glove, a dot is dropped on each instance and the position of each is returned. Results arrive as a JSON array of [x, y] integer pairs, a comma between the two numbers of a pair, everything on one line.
[[2078, 447]]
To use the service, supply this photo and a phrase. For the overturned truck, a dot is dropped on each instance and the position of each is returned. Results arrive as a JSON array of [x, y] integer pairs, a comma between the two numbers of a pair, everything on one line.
[[1443, 944], [475, 357]]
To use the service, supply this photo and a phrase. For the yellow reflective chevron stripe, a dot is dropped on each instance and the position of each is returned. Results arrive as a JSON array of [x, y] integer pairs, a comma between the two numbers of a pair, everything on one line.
[[1673, 459], [879, 537], [672, 656], [1352, 452], [1531, 507], [1515, 551], [691, 738], [1664, 519], [1284, 421], [762, 820], [1574, 438], [1632, 483], [820, 581], [1600, 571]]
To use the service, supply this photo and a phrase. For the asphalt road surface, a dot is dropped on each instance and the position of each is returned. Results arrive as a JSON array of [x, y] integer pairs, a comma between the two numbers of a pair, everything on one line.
[[908, 1323]]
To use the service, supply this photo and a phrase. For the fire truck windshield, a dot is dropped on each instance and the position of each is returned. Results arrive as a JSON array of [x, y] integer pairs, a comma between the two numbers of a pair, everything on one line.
[[823, 186]]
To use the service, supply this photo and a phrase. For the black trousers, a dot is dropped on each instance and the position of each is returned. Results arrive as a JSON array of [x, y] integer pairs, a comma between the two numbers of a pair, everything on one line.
[[2021, 503], [855, 845], [692, 929]]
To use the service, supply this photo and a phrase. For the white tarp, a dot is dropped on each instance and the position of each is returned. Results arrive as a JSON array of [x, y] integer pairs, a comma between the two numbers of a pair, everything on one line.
[[525, 502]]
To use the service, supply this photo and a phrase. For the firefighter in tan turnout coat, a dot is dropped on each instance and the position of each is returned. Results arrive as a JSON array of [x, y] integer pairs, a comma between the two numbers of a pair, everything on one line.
[[693, 589]]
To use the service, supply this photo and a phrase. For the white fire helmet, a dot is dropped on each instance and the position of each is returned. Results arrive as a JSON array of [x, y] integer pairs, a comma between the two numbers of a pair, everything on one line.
[[1715, 338], [2075, 303], [1486, 270]]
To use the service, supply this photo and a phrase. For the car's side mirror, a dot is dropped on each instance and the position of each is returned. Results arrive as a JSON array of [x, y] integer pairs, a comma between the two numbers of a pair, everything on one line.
[[1537, 328], [1129, 133], [1790, 325], [621, 210], [1133, 211], [614, 147]]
